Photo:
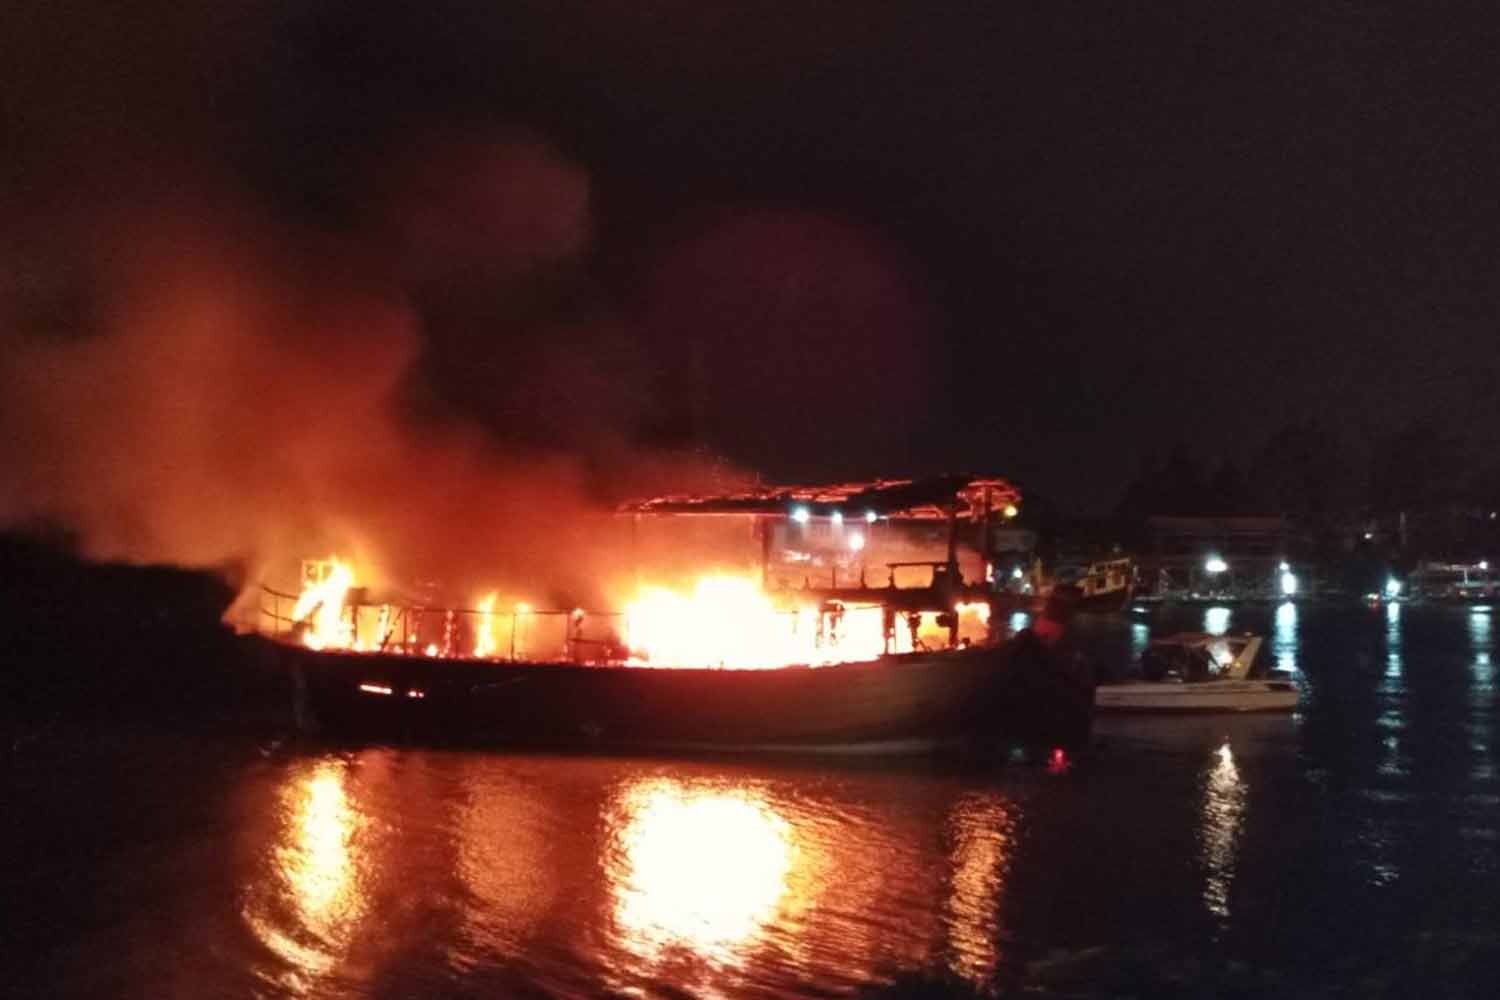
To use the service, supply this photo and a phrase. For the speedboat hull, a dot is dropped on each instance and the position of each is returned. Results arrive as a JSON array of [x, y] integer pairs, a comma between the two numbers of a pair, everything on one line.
[[1205, 696]]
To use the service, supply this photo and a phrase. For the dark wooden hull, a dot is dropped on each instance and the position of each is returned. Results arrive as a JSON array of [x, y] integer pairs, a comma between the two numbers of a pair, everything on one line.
[[983, 698]]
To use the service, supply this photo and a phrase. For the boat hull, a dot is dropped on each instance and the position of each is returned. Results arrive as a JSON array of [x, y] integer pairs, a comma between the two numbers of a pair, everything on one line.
[[898, 704], [1226, 696], [1106, 602]]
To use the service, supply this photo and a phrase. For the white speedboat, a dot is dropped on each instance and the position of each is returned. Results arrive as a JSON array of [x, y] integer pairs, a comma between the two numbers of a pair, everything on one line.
[[1198, 672]]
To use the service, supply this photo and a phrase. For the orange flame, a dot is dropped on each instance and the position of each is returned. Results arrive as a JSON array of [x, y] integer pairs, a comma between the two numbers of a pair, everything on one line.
[[728, 621], [321, 607], [484, 633]]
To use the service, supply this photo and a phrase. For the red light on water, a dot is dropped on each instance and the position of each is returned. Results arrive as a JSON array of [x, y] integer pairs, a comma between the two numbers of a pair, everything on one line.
[[1058, 762]]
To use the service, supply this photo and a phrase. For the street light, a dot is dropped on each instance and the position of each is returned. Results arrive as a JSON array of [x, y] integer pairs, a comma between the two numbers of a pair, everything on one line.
[[1214, 564]]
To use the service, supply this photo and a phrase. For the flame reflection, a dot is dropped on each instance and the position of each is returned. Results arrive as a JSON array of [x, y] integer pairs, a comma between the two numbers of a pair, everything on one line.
[[313, 899], [505, 861], [1219, 833], [705, 870], [980, 828]]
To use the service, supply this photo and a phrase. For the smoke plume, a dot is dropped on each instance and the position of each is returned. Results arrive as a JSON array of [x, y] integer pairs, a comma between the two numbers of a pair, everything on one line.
[[188, 382]]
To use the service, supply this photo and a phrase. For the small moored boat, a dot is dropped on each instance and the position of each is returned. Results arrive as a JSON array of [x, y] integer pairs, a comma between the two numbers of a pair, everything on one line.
[[1199, 672]]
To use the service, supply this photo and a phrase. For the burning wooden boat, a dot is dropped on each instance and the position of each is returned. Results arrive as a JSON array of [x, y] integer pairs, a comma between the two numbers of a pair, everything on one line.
[[1011, 695], [732, 665]]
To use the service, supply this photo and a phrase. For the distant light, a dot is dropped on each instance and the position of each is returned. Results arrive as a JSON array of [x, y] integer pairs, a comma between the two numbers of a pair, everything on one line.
[[1138, 610], [1484, 564], [1288, 583], [1369, 535], [1215, 565], [870, 517], [801, 515], [414, 693], [838, 517], [1392, 587], [1285, 568], [1009, 510], [1057, 761], [1016, 573], [856, 541], [374, 689], [523, 608], [577, 612]]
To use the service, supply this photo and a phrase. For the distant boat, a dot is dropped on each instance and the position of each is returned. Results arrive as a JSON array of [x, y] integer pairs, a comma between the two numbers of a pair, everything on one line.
[[983, 698], [1103, 585], [1198, 672]]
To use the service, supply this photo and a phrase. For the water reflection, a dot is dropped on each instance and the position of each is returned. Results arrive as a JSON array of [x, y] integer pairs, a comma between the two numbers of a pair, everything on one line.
[[502, 855], [1222, 821], [1392, 639], [980, 831], [1480, 643], [1284, 638], [307, 910], [703, 870], [1216, 620], [1391, 722], [1140, 638]]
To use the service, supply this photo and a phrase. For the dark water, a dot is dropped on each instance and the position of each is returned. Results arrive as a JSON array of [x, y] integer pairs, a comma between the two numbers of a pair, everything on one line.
[[1353, 848]]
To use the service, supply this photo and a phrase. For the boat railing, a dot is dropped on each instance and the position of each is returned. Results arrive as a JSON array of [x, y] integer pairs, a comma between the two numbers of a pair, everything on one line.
[[521, 632]]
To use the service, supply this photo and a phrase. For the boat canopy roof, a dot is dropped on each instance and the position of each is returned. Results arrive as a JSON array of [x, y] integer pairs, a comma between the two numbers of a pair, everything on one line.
[[1199, 639], [931, 499]]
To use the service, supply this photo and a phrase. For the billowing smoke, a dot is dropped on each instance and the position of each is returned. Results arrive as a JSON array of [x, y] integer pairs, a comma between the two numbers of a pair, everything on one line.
[[279, 283], [186, 382]]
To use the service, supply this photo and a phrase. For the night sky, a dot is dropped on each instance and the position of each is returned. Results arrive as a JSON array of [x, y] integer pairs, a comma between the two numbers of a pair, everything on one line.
[[1036, 239]]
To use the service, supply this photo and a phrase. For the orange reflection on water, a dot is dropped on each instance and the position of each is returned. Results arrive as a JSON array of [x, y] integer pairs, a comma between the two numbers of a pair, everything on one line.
[[1222, 821], [705, 870], [315, 898], [980, 831], [504, 859]]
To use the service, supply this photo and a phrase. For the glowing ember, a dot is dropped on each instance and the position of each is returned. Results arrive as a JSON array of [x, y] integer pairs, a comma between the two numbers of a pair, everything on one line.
[[484, 632], [321, 606]]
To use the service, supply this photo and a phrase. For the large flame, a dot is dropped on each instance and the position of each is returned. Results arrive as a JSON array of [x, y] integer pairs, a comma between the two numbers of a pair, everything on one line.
[[484, 631], [723, 620], [729, 621], [320, 607]]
